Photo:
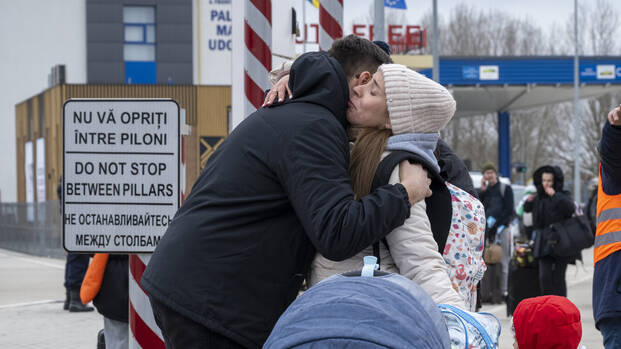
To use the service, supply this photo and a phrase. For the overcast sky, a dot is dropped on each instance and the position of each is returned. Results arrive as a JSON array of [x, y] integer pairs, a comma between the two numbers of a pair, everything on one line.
[[541, 12]]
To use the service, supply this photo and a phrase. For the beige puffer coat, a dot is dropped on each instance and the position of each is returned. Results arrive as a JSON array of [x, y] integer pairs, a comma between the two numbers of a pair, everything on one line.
[[413, 254]]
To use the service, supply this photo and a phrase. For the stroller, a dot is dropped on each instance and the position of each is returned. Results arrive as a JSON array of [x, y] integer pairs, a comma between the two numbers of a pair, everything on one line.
[[377, 310]]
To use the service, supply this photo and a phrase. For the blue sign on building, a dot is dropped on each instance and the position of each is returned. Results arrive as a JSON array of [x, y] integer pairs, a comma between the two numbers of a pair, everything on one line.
[[527, 70], [470, 72]]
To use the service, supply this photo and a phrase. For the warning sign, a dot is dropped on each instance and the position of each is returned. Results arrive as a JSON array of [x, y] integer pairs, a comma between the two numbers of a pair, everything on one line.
[[121, 173]]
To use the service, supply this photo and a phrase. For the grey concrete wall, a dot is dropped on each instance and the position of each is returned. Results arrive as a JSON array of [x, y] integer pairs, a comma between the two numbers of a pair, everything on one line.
[[174, 41], [173, 51], [104, 42]]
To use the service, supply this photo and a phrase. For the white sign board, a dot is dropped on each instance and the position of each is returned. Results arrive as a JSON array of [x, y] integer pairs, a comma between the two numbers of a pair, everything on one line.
[[606, 72], [41, 169], [29, 168], [215, 42], [489, 72], [121, 173]]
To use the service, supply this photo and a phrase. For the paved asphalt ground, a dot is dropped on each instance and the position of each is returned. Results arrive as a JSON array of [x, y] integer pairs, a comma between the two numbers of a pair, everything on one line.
[[32, 294]]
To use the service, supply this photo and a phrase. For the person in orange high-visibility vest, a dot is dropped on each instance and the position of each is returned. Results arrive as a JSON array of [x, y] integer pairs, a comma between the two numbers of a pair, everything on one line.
[[607, 252], [106, 283]]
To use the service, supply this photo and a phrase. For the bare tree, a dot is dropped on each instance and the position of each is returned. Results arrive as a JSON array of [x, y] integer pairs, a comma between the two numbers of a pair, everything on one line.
[[539, 136], [493, 33], [599, 27], [529, 125], [603, 28]]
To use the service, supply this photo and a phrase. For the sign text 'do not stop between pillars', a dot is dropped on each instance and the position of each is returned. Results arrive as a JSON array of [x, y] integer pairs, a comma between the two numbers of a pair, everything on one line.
[[120, 173]]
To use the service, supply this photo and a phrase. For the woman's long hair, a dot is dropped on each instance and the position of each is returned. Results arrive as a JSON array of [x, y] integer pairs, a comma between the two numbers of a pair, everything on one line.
[[365, 157]]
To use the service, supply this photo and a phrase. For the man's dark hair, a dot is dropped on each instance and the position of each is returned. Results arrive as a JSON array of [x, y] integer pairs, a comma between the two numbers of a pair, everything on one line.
[[358, 54]]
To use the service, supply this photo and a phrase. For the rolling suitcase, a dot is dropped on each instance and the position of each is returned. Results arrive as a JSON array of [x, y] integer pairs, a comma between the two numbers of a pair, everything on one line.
[[523, 283], [490, 284]]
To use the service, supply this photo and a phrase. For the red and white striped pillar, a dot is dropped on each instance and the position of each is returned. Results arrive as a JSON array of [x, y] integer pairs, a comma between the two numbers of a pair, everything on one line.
[[143, 331], [330, 22], [257, 53]]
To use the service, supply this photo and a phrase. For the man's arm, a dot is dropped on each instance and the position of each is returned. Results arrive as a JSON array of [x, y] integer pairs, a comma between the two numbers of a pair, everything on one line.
[[507, 206], [528, 204], [610, 152], [314, 175]]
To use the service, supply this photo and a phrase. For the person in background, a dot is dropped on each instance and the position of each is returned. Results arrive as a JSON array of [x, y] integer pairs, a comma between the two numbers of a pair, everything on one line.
[[590, 210], [550, 205], [75, 268], [106, 283], [526, 219], [546, 322], [607, 253], [497, 197]]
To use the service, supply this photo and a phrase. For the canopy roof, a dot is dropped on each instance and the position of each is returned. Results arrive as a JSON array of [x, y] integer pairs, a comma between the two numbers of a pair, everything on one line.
[[496, 84], [473, 100]]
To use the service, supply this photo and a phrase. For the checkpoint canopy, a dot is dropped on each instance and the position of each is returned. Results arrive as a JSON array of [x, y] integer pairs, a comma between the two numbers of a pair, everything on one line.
[[120, 173], [483, 85]]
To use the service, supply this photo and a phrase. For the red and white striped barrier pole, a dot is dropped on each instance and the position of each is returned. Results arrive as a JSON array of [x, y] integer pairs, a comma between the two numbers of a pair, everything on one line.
[[143, 331], [257, 53], [330, 22]]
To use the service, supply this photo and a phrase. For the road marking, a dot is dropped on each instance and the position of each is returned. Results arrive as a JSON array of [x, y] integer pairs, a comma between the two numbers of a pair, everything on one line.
[[15, 305]]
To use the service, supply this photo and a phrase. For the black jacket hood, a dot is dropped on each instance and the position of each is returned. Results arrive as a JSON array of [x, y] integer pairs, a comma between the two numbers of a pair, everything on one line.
[[318, 78], [559, 179]]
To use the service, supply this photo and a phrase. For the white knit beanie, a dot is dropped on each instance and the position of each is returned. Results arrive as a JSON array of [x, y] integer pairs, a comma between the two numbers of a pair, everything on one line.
[[416, 104]]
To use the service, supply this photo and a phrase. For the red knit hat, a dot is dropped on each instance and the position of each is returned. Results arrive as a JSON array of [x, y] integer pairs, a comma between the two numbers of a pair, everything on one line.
[[547, 322]]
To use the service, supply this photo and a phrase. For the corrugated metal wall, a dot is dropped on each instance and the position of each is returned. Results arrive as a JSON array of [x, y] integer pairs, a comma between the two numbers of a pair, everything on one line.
[[21, 137], [206, 107]]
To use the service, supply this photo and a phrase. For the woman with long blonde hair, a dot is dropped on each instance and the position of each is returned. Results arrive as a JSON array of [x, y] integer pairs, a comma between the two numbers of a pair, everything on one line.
[[399, 109]]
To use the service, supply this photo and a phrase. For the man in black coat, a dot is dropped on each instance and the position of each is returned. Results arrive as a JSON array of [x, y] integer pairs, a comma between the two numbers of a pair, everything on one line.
[[497, 198], [275, 192], [550, 205]]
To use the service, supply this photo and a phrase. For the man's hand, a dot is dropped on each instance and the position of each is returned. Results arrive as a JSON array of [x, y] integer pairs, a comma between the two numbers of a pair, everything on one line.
[[278, 90], [550, 191], [415, 180], [614, 117], [483, 184]]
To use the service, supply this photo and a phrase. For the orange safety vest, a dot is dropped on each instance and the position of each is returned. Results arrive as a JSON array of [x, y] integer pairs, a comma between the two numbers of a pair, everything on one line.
[[608, 233]]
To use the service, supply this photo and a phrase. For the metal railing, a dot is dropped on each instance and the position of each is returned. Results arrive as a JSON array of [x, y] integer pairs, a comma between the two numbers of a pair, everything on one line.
[[33, 228]]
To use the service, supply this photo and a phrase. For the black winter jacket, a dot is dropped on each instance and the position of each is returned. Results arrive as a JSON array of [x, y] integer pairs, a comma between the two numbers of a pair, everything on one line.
[[453, 169], [498, 204], [275, 192], [549, 209], [112, 300]]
